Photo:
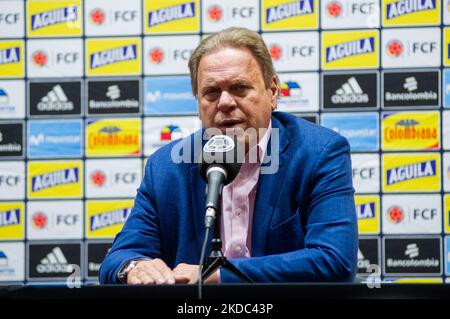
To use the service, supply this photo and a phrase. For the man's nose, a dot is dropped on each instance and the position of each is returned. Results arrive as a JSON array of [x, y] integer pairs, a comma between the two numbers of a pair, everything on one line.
[[226, 102]]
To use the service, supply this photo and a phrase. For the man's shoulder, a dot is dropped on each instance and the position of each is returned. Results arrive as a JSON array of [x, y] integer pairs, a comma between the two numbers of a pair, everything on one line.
[[303, 133]]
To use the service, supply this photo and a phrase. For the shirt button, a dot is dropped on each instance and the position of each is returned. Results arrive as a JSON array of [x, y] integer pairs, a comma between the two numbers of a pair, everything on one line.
[[238, 211], [238, 249]]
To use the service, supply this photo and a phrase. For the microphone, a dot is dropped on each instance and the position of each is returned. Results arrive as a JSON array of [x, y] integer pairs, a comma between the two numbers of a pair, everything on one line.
[[218, 166]]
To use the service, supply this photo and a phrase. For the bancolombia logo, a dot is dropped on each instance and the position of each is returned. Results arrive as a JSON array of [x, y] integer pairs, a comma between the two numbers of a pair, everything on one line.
[[407, 89], [413, 255]]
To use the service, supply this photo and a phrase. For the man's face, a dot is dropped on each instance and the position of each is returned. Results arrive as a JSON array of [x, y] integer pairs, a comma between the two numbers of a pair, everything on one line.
[[231, 91]]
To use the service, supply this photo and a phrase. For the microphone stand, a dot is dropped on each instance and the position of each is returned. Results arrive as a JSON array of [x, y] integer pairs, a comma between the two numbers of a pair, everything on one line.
[[216, 259]]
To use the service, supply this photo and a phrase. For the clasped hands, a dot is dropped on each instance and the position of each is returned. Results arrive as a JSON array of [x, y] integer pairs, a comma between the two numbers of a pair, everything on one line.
[[156, 272]]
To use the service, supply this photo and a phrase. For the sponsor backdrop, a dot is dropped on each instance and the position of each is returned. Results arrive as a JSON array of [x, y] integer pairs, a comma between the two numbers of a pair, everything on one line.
[[89, 89]]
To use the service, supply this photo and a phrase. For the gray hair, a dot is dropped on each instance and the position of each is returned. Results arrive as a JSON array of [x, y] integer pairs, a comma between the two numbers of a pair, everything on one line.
[[234, 38]]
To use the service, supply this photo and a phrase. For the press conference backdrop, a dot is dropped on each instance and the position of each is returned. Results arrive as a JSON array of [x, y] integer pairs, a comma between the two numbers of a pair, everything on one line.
[[89, 89]]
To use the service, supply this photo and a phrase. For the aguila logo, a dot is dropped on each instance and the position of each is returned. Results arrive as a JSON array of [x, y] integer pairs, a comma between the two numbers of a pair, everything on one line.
[[39, 220], [334, 9], [97, 16], [394, 48], [156, 55], [395, 214], [215, 13], [39, 58], [98, 178], [275, 52]]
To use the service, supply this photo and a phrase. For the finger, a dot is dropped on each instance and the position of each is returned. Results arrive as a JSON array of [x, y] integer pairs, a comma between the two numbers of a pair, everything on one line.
[[146, 279], [133, 280], [165, 271], [181, 279], [150, 270]]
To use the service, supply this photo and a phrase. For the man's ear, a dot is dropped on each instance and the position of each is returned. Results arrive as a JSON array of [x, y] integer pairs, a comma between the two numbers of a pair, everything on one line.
[[275, 90]]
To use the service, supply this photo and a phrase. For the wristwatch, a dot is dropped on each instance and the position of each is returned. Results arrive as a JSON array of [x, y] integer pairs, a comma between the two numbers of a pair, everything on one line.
[[123, 273]]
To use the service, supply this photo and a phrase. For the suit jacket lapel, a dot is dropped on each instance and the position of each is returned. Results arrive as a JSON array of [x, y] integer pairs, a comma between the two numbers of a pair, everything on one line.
[[269, 186]]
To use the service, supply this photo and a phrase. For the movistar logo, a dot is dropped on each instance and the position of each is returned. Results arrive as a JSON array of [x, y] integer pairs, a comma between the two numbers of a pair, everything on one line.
[[347, 49], [403, 7], [48, 18], [178, 12], [10, 55], [102, 58], [410, 172], [288, 10], [56, 178], [109, 218]]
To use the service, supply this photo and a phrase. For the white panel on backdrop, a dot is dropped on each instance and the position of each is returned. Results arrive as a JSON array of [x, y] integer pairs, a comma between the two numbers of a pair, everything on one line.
[[168, 54], [347, 14], [112, 17], [411, 47], [12, 99], [113, 178], [218, 15], [299, 92], [446, 130], [446, 171], [12, 19], [412, 214], [366, 173], [293, 51], [12, 180], [55, 58], [55, 220], [12, 262], [160, 131]]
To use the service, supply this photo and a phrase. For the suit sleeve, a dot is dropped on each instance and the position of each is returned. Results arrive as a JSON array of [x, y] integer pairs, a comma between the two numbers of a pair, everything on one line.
[[331, 233], [139, 238]]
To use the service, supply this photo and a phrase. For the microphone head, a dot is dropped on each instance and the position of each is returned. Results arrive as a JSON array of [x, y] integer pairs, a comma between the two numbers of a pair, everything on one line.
[[222, 151]]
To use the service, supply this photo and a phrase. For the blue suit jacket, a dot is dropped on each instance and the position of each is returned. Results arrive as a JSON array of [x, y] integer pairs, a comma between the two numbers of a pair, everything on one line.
[[304, 223]]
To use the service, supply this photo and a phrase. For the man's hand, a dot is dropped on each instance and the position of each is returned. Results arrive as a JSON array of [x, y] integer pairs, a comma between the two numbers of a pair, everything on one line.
[[188, 274], [150, 272]]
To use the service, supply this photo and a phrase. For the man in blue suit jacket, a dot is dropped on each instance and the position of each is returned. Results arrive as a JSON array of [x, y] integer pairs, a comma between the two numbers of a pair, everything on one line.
[[304, 224]]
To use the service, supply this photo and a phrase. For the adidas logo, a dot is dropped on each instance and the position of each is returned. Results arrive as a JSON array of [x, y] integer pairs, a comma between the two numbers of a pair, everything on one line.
[[55, 262], [412, 250], [55, 100], [410, 84], [350, 92], [362, 262]]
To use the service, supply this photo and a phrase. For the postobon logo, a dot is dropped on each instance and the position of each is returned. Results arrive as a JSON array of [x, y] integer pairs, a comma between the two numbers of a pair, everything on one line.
[[367, 211], [350, 50], [411, 131], [55, 179], [113, 57], [111, 137], [171, 16], [11, 59], [411, 172], [11, 220], [104, 219], [411, 12], [54, 18], [283, 15]]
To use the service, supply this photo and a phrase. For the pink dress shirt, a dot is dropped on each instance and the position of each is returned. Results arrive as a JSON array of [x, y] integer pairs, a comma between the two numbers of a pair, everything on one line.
[[238, 201]]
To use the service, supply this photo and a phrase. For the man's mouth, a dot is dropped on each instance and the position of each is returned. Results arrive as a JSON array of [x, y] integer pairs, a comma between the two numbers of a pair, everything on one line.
[[229, 123]]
